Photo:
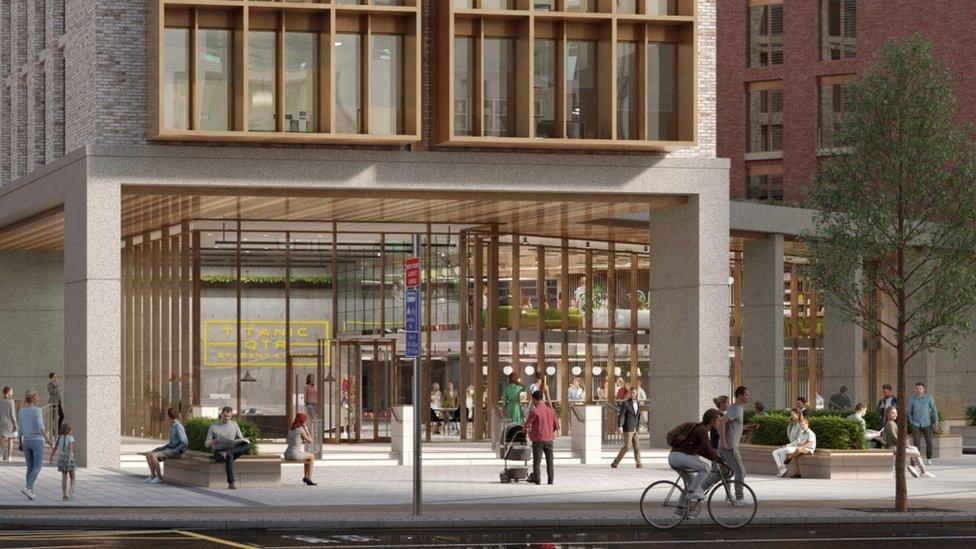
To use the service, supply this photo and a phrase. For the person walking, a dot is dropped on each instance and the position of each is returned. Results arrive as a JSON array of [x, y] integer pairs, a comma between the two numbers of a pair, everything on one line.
[[889, 440], [33, 436], [730, 435], [8, 422], [512, 399], [888, 398], [839, 400], [311, 397], [541, 427], [628, 423], [54, 396], [923, 417], [298, 438], [174, 449], [224, 437], [64, 448]]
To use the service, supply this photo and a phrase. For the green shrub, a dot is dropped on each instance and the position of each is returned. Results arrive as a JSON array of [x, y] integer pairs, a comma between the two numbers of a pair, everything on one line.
[[834, 433], [196, 434], [971, 415]]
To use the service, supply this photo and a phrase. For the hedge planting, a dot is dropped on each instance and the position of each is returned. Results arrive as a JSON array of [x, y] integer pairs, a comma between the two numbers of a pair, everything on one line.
[[833, 433], [196, 434], [871, 418]]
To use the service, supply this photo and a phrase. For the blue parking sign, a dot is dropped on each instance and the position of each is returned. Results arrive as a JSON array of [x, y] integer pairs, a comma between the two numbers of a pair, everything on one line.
[[412, 310]]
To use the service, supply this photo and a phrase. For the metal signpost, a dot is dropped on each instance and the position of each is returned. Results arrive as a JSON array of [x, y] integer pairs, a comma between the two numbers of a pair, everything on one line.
[[411, 311]]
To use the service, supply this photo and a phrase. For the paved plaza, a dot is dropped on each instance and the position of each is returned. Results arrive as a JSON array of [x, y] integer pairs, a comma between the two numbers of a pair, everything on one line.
[[466, 492]]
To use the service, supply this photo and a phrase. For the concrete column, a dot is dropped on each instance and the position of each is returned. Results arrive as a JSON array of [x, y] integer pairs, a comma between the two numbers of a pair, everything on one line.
[[401, 439], [762, 320], [92, 318], [31, 319], [689, 306], [843, 360], [586, 426]]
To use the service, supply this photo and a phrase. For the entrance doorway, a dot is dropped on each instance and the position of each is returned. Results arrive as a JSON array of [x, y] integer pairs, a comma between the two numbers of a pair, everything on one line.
[[364, 386]]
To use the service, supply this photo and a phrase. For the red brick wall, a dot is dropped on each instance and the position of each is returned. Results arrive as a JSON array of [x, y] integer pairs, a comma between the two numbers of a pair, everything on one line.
[[947, 23]]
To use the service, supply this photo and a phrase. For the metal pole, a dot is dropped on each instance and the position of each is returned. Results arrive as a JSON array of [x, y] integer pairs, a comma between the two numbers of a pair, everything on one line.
[[417, 491]]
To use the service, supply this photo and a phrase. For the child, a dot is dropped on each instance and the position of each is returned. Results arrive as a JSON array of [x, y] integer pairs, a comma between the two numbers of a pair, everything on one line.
[[66, 460]]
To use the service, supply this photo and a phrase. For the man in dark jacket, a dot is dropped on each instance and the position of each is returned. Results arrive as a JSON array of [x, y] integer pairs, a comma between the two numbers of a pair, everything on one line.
[[629, 420], [888, 398]]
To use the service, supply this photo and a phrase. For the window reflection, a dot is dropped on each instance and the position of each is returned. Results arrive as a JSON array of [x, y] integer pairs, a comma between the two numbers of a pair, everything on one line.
[[463, 90], [301, 61], [261, 81], [176, 79], [581, 101], [661, 92], [627, 90], [545, 88], [386, 84], [347, 83], [214, 85], [499, 87]]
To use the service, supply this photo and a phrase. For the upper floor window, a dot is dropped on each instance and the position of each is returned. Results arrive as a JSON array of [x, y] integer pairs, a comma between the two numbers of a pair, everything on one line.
[[765, 108], [765, 183], [838, 29], [540, 77], [765, 33], [328, 71], [833, 96]]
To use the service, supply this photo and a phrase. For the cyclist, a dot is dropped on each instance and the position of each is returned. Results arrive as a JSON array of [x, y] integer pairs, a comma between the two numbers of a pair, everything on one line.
[[684, 455]]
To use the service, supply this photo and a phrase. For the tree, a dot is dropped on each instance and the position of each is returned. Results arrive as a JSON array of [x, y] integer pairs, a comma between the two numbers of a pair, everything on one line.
[[896, 214]]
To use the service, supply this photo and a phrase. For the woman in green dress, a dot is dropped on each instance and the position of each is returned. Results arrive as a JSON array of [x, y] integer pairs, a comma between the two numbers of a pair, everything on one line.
[[512, 398]]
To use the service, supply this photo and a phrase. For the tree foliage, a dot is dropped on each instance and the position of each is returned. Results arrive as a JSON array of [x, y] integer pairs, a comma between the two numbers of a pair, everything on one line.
[[896, 210]]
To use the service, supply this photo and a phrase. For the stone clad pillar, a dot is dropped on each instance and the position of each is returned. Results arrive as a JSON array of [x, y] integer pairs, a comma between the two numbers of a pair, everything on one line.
[[762, 320], [92, 319], [843, 360], [689, 310]]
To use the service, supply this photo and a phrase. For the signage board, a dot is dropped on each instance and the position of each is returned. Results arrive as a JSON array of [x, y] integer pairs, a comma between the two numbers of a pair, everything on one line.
[[413, 344], [411, 272], [411, 303]]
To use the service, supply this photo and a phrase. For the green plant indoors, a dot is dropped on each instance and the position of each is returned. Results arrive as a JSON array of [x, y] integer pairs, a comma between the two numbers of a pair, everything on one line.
[[196, 434]]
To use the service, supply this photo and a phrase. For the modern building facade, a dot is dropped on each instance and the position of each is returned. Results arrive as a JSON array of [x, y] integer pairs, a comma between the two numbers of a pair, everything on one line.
[[781, 69], [236, 184]]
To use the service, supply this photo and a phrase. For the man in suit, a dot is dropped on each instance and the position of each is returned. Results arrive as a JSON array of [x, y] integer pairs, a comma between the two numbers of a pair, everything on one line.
[[628, 423]]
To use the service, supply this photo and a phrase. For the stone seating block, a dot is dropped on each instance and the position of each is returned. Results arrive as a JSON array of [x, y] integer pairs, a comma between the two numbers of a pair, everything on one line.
[[199, 469], [824, 464]]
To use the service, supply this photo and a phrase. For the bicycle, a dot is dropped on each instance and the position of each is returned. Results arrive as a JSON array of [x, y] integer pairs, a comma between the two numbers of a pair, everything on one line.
[[664, 504]]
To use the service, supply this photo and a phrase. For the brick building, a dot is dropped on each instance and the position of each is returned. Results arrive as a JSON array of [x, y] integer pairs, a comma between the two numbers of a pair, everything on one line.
[[793, 54]]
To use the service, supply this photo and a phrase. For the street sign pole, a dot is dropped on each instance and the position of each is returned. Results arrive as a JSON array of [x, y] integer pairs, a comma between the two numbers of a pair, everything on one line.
[[412, 313]]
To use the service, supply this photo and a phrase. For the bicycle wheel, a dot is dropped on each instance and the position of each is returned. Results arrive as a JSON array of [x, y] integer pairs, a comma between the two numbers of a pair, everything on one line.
[[728, 511], [660, 507]]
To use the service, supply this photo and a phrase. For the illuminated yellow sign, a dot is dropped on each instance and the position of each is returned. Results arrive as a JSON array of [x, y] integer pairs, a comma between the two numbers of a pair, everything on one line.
[[263, 342]]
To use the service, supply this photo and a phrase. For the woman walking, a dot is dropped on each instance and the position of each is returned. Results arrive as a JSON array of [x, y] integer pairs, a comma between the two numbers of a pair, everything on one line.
[[311, 397], [8, 422], [34, 436], [298, 437], [66, 460]]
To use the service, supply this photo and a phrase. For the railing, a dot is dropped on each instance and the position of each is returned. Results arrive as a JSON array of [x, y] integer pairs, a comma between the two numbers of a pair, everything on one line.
[[610, 421]]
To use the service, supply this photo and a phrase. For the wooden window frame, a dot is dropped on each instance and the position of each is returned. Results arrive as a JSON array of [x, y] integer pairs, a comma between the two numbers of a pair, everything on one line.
[[605, 26], [822, 83], [767, 87], [843, 34], [769, 26], [326, 19]]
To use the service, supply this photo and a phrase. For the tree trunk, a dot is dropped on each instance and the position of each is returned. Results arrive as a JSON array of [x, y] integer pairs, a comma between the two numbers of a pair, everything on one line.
[[901, 487]]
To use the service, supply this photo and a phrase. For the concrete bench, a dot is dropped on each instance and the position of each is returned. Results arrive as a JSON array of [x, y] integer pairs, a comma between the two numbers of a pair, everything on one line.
[[827, 464], [199, 469]]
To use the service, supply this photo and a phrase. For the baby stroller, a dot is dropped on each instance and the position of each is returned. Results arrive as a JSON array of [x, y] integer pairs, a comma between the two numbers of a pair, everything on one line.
[[514, 447]]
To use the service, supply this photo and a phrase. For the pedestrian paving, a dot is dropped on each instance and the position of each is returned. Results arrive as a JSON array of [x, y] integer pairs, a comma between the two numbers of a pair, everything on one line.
[[456, 485]]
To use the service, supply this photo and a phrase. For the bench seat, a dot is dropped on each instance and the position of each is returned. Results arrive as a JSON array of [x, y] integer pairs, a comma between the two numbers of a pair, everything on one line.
[[826, 464], [199, 469]]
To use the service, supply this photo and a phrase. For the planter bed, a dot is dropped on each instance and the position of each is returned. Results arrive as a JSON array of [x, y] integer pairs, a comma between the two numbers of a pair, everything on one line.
[[943, 446], [199, 469], [828, 464], [968, 434]]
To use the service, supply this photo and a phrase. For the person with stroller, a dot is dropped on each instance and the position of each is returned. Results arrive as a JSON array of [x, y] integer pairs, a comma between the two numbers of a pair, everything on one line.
[[541, 427]]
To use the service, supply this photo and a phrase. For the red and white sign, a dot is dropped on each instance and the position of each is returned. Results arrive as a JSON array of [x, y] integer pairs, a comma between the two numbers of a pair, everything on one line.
[[411, 271]]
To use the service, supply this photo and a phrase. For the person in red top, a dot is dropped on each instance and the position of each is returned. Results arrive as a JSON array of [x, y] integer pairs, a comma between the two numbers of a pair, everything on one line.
[[684, 457], [541, 428]]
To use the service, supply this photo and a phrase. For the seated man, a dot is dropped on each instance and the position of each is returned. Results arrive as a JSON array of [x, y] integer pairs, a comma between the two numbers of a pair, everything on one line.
[[172, 450], [873, 437], [227, 442], [805, 444]]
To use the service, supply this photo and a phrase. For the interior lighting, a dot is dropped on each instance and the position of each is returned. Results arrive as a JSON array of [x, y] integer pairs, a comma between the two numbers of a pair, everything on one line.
[[616, 371], [551, 370], [529, 370], [507, 370], [597, 370], [577, 370]]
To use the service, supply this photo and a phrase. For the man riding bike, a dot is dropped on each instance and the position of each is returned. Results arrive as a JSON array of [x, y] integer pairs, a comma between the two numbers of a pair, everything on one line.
[[691, 443]]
